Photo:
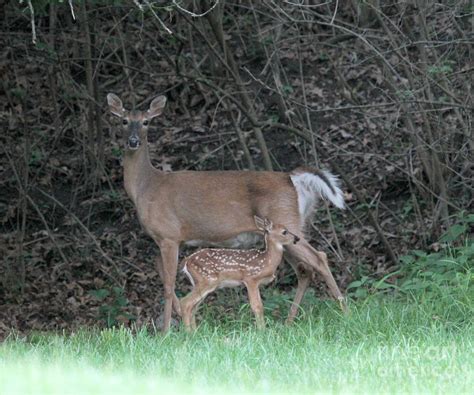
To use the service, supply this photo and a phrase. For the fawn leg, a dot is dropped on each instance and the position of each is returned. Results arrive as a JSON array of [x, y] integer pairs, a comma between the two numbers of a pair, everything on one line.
[[303, 275], [191, 302], [196, 307], [187, 305], [159, 269], [303, 251], [193, 319], [256, 303]]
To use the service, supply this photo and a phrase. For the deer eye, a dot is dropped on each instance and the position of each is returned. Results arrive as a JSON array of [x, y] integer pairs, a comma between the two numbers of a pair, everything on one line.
[[285, 232], [125, 121], [146, 122]]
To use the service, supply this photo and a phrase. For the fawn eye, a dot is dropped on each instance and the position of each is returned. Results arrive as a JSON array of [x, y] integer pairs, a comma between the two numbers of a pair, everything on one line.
[[125, 121], [146, 122]]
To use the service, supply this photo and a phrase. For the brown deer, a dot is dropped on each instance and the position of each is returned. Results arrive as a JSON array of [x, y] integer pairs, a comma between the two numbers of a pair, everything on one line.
[[200, 207], [211, 268]]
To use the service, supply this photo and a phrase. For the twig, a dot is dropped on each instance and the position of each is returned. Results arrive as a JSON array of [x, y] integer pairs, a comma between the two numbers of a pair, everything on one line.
[[335, 12], [24, 190], [32, 17], [72, 9], [85, 228], [338, 252], [157, 17], [138, 4], [215, 21], [192, 13], [241, 136]]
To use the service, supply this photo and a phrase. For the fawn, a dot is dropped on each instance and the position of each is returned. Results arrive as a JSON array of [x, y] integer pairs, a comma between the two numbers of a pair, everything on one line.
[[209, 268]]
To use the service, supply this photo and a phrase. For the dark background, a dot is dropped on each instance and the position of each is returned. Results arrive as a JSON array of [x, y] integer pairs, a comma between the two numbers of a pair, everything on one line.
[[379, 92]]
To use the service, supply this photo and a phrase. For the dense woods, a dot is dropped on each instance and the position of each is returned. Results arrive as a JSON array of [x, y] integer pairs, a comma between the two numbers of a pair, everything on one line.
[[379, 92]]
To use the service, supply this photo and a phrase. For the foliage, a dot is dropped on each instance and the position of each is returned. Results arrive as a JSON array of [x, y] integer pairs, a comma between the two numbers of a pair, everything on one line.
[[113, 309], [430, 275]]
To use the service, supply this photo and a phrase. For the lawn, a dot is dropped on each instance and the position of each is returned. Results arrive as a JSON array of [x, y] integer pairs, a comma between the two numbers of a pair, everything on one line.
[[385, 344]]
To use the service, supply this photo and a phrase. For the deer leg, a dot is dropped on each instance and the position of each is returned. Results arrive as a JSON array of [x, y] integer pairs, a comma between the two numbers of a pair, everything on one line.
[[187, 307], [159, 269], [303, 251], [169, 254], [256, 303], [193, 319], [196, 307], [303, 275], [190, 303]]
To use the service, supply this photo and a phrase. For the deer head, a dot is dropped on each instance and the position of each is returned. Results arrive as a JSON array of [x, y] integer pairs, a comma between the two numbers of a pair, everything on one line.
[[135, 123], [277, 233]]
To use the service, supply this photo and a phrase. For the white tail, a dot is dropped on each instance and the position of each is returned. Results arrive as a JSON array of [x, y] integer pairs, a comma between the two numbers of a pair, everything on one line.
[[217, 206], [312, 185], [209, 269]]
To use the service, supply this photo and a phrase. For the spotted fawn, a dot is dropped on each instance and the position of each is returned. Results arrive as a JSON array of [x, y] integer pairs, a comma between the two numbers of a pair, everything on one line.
[[211, 268]]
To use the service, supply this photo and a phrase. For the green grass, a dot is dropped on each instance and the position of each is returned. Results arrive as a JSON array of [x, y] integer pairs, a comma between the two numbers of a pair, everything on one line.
[[384, 345]]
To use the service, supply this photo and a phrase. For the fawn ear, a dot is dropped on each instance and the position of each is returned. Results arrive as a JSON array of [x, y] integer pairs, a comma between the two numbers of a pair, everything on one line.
[[115, 105], [156, 107], [259, 223], [268, 225]]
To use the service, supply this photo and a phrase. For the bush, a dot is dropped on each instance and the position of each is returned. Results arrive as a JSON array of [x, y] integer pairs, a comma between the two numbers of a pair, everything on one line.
[[445, 273]]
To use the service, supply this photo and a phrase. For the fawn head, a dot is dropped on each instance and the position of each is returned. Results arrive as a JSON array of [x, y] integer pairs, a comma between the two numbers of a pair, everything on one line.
[[135, 123], [277, 233]]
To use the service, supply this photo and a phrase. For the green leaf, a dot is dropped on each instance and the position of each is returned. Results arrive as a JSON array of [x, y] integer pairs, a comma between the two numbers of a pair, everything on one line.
[[361, 293], [407, 259], [419, 253], [116, 151], [355, 284], [287, 89], [383, 285], [453, 233], [99, 294]]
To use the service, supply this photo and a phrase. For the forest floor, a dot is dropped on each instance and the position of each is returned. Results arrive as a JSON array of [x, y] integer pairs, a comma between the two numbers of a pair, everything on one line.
[[381, 346]]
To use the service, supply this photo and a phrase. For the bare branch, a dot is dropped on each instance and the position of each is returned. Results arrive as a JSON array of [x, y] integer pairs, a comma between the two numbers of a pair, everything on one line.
[[72, 9], [32, 18], [192, 13], [167, 29]]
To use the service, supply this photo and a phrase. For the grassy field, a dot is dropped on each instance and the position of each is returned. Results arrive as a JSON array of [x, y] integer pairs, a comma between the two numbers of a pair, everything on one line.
[[384, 345]]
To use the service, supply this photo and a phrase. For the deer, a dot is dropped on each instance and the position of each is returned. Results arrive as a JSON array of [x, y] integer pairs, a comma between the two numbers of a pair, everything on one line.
[[211, 268], [202, 208]]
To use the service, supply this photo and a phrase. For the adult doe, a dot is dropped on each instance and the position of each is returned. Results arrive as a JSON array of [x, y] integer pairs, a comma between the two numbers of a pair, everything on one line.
[[201, 207]]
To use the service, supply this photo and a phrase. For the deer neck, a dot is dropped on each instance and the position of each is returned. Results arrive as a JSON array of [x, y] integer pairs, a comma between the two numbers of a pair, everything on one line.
[[137, 170], [273, 251]]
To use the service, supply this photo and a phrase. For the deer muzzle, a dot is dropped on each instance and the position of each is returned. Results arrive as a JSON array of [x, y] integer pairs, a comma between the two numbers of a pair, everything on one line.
[[133, 142], [295, 238]]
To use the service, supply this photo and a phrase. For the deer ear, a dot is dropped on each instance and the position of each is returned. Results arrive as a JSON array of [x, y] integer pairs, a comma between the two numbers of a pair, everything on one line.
[[156, 107], [268, 225], [115, 105], [259, 223]]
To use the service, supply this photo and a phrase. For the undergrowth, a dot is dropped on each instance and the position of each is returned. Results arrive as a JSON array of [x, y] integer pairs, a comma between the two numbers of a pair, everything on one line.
[[445, 274]]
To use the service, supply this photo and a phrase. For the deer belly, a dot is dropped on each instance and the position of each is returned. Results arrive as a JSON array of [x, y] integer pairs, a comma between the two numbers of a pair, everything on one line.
[[230, 284], [268, 280], [244, 240]]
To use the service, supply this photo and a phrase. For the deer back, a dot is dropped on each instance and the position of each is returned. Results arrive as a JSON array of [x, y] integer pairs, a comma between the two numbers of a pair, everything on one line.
[[216, 205]]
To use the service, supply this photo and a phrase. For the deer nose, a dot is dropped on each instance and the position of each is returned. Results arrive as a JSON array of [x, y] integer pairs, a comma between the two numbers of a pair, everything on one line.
[[133, 142], [296, 239]]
